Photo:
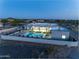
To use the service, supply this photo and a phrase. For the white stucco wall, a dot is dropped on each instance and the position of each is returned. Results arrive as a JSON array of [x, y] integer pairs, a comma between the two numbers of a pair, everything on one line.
[[58, 34]]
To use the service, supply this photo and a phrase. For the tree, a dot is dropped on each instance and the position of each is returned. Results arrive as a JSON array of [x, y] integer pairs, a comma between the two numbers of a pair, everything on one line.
[[4, 21]]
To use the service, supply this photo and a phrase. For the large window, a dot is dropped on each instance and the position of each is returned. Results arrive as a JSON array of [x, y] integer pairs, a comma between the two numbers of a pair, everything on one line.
[[40, 29], [35, 29]]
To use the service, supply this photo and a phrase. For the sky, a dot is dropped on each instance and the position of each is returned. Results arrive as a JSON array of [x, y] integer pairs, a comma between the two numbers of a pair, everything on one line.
[[49, 9]]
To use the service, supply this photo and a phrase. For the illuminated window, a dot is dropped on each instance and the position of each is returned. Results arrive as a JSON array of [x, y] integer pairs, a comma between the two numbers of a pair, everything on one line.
[[42, 29], [63, 37], [35, 29]]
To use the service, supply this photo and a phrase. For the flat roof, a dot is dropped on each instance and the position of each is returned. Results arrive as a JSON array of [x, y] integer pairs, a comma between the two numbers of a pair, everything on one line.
[[43, 24], [54, 26], [59, 28]]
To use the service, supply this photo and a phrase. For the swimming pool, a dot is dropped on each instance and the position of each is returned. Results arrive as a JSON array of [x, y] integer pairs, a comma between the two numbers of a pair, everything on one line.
[[30, 34]]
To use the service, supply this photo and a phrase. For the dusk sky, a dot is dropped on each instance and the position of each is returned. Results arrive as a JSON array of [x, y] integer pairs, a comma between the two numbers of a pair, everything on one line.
[[51, 9]]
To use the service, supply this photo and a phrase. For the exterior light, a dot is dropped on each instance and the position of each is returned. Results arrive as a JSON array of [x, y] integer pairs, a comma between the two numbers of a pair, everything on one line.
[[63, 37], [50, 28]]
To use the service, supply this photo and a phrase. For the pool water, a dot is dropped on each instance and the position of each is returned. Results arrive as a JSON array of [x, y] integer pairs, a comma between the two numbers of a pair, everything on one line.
[[30, 34]]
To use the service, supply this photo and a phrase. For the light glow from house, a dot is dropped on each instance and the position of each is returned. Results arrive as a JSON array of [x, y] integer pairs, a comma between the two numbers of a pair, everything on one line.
[[63, 37], [40, 29]]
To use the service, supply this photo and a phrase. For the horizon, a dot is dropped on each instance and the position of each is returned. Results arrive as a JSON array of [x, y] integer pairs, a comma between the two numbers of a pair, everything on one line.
[[38, 9], [36, 18]]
